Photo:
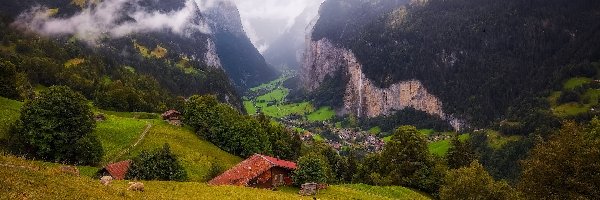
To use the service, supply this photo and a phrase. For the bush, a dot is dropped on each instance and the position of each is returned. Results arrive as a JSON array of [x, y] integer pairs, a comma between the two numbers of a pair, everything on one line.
[[311, 168], [57, 127], [160, 164]]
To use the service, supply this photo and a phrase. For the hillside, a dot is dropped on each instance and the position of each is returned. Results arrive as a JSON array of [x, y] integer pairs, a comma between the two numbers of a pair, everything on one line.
[[121, 130], [469, 67], [36, 180]]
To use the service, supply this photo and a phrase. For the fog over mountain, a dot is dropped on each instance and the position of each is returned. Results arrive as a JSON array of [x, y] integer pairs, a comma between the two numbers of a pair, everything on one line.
[[265, 21]]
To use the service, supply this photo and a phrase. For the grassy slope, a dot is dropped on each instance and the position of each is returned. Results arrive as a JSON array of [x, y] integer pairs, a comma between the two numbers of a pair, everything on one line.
[[440, 148], [44, 181], [195, 155], [117, 133], [566, 110], [9, 112], [120, 130]]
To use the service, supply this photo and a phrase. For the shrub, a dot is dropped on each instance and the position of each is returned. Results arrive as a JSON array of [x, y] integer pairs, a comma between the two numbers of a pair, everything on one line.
[[57, 126], [159, 164]]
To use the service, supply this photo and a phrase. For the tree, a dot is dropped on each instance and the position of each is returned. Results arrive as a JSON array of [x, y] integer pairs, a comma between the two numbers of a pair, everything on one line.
[[159, 164], [404, 155], [460, 154], [57, 126], [566, 166], [225, 127], [473, 182], [8, 80], [311, 168]]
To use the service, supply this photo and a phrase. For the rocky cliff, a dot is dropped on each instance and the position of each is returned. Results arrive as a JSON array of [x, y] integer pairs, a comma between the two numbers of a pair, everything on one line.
[[362, 97]]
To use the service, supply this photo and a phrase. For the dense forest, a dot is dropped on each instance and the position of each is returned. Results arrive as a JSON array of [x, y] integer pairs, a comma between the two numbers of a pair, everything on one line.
[[137, 82], [487, 64]]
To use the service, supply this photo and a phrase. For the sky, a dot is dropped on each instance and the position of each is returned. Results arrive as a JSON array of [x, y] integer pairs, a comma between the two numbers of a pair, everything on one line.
[[265, 20]]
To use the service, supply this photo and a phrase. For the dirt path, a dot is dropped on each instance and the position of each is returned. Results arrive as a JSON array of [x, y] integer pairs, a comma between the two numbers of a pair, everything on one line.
[[142, 136]]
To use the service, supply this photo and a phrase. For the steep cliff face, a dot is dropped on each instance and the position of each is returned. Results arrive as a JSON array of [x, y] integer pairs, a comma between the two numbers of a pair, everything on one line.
[[321, 59], [238, 56], [362, 97], [484, 60]]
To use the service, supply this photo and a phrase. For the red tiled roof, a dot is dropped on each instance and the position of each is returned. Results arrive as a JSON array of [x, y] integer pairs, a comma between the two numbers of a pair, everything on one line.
[[119, 169], [281, 163], [242, 173]]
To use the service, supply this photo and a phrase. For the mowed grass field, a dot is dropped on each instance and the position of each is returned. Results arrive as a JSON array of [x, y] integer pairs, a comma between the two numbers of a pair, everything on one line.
[[270, 99], [196, 155], [23, 179]]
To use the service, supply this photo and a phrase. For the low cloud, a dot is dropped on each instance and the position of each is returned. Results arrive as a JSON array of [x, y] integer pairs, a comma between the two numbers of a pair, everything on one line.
[[106, 20]]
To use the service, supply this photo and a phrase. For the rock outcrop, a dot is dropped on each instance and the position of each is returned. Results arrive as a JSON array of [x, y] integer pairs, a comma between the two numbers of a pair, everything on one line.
[[211, 58], [362, 97]]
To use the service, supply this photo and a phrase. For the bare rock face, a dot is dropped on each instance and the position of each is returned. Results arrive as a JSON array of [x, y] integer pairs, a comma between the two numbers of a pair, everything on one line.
[[322, 58], [211, 58], [362, 97]]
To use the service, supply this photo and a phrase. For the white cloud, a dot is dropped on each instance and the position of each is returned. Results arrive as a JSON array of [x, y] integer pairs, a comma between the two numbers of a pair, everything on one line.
[[91, 24]]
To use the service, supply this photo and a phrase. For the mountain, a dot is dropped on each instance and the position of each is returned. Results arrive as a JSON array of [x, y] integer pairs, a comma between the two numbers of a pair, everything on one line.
[[240, 58], [288, 48], [468, 62], [186, 47]]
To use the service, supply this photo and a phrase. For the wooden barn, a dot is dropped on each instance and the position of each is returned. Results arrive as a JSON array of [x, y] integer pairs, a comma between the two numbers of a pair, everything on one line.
[[117, 170], [258, 171]]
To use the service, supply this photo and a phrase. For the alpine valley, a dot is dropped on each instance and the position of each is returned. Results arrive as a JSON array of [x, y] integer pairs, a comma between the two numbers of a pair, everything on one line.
[[300, 99]]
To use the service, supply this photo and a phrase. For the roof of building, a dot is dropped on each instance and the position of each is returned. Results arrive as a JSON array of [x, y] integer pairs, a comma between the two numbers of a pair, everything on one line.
[[244, 172], [170, 113], [119, 169]]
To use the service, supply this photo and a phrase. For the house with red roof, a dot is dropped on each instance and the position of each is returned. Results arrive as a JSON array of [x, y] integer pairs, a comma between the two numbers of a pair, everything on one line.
[[258, 171], [117, 170]]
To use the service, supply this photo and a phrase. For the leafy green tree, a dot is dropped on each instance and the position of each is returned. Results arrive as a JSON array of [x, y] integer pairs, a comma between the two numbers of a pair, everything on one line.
[[404, 154], [566, 166], [8, 80], [57, 126], [311, 168], [460, 154], [159, 164], [225, 127], [473, 182], [405, 160]]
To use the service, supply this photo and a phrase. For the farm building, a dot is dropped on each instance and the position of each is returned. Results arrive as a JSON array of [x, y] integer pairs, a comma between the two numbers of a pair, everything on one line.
[[258, 171], [172, 116], [117, 170]]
